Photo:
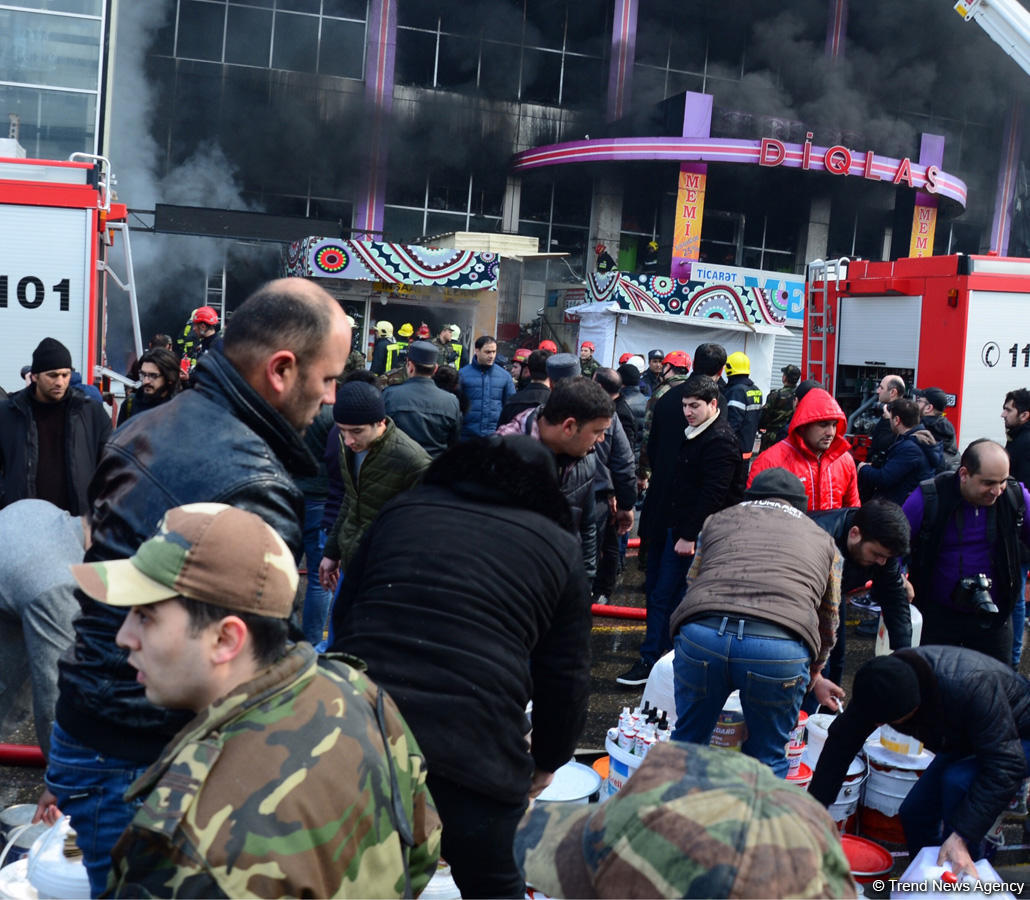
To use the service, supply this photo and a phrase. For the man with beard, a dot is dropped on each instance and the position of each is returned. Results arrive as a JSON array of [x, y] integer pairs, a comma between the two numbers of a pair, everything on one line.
[[159, 382], [234, 439], [51, 435]]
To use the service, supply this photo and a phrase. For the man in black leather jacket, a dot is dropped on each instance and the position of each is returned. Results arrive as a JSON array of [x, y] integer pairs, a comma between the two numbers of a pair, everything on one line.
[[969, 709], [871, 539], [236, 440]]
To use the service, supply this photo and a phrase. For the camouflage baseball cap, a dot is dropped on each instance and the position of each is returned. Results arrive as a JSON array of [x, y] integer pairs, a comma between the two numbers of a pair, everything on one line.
[[205, 551], [692, 822]]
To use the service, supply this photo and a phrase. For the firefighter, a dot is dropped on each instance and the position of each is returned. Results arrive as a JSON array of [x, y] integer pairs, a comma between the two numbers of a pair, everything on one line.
[[448, 348], [201, 335], [397, 356], [743, 402], [384, 338]]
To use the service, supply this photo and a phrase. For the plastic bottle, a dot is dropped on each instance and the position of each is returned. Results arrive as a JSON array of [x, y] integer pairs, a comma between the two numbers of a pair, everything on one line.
[[645, 740]]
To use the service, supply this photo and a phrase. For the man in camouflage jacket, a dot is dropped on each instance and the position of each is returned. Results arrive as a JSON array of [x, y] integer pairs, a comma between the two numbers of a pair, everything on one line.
[[297, 777]]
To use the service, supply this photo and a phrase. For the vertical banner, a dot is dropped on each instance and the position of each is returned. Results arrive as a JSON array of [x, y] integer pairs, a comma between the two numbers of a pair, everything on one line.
[[924, 225], [690, 208]]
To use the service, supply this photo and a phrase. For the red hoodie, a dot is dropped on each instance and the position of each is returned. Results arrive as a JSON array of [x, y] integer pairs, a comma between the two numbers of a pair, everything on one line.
[[831, 480]]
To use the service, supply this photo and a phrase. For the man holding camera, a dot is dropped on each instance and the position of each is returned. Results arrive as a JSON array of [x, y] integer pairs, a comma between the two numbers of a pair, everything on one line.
[[966, 529]]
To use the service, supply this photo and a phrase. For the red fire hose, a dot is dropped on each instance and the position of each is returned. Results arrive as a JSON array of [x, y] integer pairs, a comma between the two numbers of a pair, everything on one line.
[[619, 612], [21, 755]]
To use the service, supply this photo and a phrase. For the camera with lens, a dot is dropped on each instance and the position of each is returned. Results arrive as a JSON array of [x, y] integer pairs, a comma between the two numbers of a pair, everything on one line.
[[975, 591]]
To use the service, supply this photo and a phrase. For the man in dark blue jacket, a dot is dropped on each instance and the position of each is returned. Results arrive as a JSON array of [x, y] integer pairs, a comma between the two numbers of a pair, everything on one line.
[[487, 387], [914, 456], [429, 416], [235, 439]]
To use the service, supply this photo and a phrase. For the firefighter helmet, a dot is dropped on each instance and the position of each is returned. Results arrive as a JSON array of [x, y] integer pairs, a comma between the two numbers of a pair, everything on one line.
[[423, 331], [406, 330], [521, 355], [677, 358], [384, 328], [455, 331], [550, 346], [206, 316], [738, 364]]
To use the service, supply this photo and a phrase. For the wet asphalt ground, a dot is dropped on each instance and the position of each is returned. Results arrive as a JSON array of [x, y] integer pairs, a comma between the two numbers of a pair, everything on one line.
[[614, 645]]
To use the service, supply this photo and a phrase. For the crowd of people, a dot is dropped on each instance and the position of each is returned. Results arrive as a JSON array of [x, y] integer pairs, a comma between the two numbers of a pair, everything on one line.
[[211, 731]]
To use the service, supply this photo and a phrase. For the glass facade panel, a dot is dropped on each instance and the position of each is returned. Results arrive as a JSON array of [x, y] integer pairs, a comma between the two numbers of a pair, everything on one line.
[[200, 30], [347, 9], [499, 70], [342, 48], [249, 36], [416, 57], [82, 7], [295, 42], [51, 50], [401, 224], [541, 76], [53, 124]]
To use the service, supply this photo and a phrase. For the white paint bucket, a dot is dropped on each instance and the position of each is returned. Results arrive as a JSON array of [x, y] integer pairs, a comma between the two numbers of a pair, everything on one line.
[[441, 886], [572, 783], [891, 777], [897, 742], [850, 793]]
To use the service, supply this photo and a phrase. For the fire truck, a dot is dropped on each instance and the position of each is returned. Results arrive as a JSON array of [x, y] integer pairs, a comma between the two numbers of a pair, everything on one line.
[[59, 223], [960, 323]]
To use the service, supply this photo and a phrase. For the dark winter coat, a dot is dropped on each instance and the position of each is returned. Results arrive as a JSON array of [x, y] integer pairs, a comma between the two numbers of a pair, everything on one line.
[[393, 464], [710, 476], [616, 467], [425, 413], [888, 590], [531, 396], [219, 443], [87, 426], [743, 410], [636, 402], [378, 366], [971, 705], [465, 633], [662, 450], [488, 388], [944, 432], [1018, 449], [139, 402], [913, 457]]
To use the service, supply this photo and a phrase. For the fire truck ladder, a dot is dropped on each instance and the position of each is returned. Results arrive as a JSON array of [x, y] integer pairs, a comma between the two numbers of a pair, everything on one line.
[[817, 309], [105, 181]]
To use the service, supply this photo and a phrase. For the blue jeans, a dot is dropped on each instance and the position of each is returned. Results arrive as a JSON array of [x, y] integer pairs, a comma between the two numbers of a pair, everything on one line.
[[926, 811], [90, 790], [1019, 622], [325, 643], [664, 586], [316, 598], [770, 673]]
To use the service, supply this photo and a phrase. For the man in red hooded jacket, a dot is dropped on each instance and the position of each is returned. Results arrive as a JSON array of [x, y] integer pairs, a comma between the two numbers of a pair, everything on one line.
[[815, 451]]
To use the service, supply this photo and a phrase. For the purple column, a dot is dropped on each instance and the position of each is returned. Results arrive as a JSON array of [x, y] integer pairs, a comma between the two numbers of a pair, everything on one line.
[[379, 72], [693, 181], [924, 216], [836, 28], [1008, 168], [620, 69]]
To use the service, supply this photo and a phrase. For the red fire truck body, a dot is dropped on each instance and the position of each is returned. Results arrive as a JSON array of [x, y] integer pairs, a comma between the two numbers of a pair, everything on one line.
[[960, 323]]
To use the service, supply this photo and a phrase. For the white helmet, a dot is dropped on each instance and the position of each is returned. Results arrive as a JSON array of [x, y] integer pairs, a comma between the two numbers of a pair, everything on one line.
[[455, 331], [638, 363], [384, 328]]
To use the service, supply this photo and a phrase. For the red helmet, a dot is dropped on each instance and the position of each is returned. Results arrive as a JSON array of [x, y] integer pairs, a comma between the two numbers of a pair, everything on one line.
[[550, 346], [521, 355], [625, 358], [423, 330], [589, 344], [205, 315], [677, 358]]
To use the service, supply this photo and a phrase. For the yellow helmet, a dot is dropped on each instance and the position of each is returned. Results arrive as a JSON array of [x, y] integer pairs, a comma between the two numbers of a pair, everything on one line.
[[738, 364], [384, 328], [406, 330]]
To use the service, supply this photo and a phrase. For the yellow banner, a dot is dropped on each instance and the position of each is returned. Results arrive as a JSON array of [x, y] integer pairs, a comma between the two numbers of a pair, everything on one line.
[[690, 208], [924, 224]]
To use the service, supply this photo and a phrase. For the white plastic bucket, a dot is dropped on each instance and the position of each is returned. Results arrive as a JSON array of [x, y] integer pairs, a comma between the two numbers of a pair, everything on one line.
[[441, 886], [891, 777], [659, 690], [850, 793], [572, 783], [14, 882], [816, 728], [621, 766], [897, 742], [883, 646]]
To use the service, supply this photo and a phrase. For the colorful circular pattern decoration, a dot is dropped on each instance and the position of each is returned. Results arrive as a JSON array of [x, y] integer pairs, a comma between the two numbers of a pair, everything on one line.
[[331, 258]]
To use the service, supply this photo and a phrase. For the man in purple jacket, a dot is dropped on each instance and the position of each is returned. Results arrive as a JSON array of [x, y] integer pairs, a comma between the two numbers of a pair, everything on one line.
[[966, 529]]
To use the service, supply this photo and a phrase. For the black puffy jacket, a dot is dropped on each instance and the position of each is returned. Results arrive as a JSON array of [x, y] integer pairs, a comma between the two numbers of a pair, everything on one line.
[[87, 426], [970, 705], [220, 443]]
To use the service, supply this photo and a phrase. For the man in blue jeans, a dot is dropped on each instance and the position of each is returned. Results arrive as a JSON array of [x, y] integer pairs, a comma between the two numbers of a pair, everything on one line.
[[972, 711], [760, 616]]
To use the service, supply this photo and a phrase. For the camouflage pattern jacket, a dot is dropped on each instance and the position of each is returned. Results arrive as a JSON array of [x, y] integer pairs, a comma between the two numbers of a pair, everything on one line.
[[290, 786]]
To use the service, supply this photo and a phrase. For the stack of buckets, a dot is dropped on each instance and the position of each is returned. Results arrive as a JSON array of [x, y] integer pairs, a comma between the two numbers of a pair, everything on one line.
[[798, 772], [896, 761], [844, 809]]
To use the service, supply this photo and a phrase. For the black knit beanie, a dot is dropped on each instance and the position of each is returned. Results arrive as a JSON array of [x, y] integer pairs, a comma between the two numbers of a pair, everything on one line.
[[358, 403], [886, 688], [49, 355], [629, 374]]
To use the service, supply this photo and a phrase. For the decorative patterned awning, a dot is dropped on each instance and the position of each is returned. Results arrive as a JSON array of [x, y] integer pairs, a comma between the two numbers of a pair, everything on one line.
[[321, 257], [660, 294]]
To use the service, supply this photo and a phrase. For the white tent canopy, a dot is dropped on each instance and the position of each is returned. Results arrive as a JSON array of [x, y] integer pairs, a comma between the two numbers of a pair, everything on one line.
[[615, 331]]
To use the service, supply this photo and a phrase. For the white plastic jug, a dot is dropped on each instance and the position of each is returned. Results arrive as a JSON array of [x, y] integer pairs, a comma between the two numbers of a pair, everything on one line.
[[924, 868], [883, 645]]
